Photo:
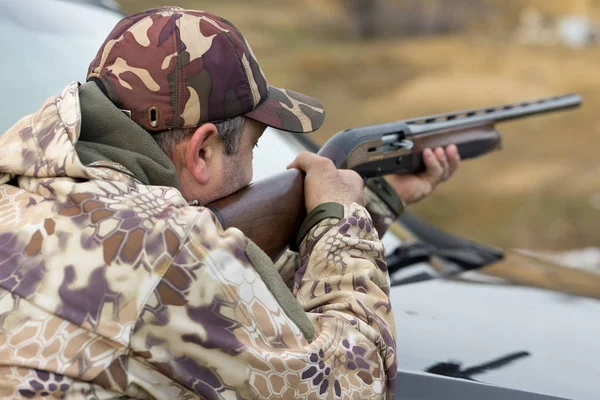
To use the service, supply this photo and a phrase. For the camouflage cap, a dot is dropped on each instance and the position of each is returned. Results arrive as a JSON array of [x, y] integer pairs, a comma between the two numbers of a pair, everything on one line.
[[175, 68]]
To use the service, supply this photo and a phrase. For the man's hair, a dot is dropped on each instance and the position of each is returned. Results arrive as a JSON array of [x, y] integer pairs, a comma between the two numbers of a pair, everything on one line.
[[229, 133]]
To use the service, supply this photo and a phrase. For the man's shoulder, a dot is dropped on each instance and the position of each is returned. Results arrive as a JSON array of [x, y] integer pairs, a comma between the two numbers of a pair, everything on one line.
[[92, 246]]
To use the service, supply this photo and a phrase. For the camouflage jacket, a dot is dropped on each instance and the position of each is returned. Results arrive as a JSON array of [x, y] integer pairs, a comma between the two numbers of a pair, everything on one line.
[[111, 288]]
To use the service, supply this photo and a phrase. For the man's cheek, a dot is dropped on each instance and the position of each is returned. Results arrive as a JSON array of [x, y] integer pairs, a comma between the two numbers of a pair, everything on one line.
[[248, 173]]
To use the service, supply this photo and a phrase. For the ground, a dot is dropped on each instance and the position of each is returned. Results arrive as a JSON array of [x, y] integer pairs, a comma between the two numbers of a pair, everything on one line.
[[542, 191]]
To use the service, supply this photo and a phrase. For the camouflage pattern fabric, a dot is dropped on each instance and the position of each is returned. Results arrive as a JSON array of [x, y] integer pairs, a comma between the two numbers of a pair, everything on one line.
[[289, 263], [110, 288], [175, 68]]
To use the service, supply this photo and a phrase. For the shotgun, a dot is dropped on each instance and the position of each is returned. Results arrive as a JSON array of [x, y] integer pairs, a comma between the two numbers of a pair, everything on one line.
[[270, 211]]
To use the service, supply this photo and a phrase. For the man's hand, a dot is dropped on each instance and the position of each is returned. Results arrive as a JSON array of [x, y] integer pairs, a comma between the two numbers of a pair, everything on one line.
[[325, 183], [440, 167]]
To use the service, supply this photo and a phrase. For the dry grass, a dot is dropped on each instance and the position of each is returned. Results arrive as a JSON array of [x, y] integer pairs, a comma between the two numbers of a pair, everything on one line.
[[542, 191]]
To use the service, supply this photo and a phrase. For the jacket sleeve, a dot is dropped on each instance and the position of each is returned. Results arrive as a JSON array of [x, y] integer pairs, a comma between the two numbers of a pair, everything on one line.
[[212, 327], [289, 262]]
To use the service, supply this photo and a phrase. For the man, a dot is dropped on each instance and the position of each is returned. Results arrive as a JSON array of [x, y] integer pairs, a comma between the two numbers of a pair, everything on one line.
[[115, 282]]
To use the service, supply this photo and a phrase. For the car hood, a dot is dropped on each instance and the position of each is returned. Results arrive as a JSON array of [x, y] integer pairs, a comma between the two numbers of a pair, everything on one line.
[[521, 323]]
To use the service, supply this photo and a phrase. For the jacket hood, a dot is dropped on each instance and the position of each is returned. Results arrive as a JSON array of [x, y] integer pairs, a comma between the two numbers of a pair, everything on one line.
[[42, 144]]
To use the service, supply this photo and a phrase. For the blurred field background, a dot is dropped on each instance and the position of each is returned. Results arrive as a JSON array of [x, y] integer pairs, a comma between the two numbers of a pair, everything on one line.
[[378, 61]]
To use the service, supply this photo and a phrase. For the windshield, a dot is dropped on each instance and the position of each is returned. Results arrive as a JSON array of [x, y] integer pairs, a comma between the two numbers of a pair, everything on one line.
[[46, 45], [110, 4]]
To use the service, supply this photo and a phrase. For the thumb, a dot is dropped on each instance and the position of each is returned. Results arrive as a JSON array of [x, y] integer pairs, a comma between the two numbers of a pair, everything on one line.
[[293, 164], [302, 161]]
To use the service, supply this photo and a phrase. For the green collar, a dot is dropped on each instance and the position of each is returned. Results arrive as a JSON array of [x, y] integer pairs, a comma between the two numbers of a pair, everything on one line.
[[109, 135]]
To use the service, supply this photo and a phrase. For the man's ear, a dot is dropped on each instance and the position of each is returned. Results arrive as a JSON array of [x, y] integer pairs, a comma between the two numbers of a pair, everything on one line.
[[199, 152]]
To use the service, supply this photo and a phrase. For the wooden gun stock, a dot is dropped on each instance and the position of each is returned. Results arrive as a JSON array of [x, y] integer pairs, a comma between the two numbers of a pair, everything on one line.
[[269, 211]]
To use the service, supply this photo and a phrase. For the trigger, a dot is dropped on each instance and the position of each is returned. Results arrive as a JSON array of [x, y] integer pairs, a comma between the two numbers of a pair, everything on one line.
[[404, 144]]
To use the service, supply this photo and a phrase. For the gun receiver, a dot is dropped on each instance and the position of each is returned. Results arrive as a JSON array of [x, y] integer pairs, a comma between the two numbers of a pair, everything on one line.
[[270, 211]]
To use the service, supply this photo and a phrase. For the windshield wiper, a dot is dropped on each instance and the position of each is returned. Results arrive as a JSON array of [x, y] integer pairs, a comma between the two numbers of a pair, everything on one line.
[[452, 369], [465, 255]]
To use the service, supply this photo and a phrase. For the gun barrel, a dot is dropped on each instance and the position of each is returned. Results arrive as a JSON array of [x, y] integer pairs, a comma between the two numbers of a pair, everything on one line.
[[491, 114]]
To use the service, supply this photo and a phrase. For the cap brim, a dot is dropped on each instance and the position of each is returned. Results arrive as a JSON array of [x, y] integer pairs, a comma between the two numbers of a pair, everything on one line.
[[289, 111]]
